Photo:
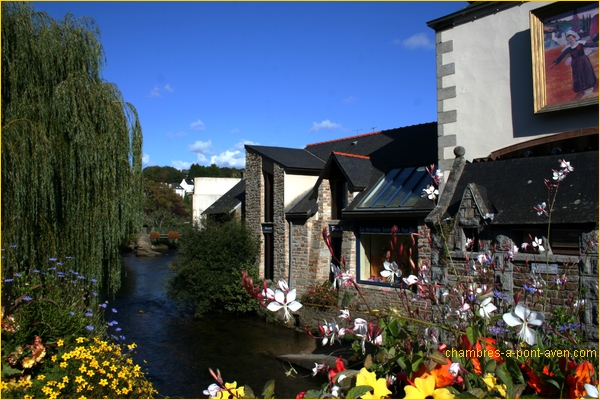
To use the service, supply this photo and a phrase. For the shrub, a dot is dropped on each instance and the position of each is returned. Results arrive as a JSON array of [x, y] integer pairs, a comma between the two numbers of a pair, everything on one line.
[[321, 296], [208, 268]]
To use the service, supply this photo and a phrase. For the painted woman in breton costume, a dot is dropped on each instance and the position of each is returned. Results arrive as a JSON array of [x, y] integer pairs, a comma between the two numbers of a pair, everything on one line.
[[584, 77]]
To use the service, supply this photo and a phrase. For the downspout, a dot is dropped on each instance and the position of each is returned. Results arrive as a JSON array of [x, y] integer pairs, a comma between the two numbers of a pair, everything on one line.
[[290, 236]]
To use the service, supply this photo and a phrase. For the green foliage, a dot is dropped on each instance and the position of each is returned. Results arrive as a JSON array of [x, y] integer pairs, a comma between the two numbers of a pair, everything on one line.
[[321, 296], [208, 268], [163, 208], [200, 171], [163, 174], [71, 147]]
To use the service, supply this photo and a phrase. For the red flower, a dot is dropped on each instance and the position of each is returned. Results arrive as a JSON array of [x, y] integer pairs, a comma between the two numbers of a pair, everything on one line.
[[442, 374], [339, 367], [583, 375]]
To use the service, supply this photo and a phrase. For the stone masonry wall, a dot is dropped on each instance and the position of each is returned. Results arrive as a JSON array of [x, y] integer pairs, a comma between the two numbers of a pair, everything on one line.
[[254, 201]]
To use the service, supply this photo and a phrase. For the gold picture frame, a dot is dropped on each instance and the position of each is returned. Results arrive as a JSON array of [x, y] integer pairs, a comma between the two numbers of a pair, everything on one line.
[[564, 51]]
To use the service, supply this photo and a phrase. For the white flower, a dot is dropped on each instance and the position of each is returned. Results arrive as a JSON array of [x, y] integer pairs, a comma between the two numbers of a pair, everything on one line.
[[391, 271], [335, 391], [318, 368], [283, 285], [344, 314], [558, 175], [566, 166], [524, 317], [591, 391], [212, 391], [486, 308], [454, 369], [537, 243], [287, 302], [430, 192], [541, 209], [578, 303]]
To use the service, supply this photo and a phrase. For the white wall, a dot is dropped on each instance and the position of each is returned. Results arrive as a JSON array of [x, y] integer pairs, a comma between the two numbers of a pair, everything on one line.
[[296, 186], [209, 190], [486, 62]]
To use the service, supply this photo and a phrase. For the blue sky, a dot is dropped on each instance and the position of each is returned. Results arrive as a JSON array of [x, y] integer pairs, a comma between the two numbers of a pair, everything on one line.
[[208, 77]]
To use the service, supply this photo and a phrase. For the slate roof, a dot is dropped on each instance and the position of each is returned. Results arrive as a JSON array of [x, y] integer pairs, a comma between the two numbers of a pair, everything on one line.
[[513, 187], [229, 201], [365, 159], [289, 158]]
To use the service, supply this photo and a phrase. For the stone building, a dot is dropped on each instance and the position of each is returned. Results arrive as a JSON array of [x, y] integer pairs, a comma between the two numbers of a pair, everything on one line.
[[501, 134], [356, 188]]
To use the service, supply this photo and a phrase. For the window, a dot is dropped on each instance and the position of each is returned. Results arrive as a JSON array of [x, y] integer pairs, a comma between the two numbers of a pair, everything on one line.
[[339, 198], [373, 250], [564, 241]]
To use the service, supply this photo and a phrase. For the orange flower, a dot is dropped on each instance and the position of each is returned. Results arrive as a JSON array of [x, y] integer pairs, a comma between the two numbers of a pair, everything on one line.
[[442, 374], [490, 351], [583, 375], [339, 367]]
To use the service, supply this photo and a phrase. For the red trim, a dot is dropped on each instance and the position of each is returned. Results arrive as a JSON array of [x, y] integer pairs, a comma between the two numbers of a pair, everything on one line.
[[339, 153]]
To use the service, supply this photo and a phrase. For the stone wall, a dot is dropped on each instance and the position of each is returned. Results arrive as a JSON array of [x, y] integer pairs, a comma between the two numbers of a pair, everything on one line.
[[254, 201]]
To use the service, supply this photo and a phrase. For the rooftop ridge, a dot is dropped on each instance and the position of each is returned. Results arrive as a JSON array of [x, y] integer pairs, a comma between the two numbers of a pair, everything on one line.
[[339, 153], [366, 134], [343, 139]]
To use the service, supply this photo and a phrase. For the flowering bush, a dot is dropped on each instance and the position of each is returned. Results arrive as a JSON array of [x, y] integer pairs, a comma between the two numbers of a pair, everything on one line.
[[321, 296], [154, 235], [461, 338], [55, 341], [173, 235]]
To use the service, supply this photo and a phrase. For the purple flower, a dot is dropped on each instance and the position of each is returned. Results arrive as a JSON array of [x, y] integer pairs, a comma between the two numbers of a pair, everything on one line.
[[27, 298], [37, 271], [93, 280], [114, 310], [121, 337], [72, 313], [118, 330], [529, 288], [8, 280], [89, 314], [52, 259], [103, 305], [17, 275], [89, 328]]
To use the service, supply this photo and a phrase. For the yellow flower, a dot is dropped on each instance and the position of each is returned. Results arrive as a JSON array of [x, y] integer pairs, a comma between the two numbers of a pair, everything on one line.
[[366, 378], [80, 340], [65, 379], [103, 382], [27, 397], [79, 379], [60, 343], [490, 381], [60, 385], [41, 377], [53, 358], [238, 393], [425, 388], [63, 364]]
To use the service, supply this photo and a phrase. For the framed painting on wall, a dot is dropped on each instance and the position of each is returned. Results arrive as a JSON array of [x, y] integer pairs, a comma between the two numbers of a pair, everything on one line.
[[564, 49]]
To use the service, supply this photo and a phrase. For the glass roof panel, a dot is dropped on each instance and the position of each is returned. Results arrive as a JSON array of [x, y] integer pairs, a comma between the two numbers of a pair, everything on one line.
[[400, 188], [379, 188], [394, 188]]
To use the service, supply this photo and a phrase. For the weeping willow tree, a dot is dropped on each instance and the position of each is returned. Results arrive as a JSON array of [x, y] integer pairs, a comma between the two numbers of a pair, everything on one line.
[[71, 148]]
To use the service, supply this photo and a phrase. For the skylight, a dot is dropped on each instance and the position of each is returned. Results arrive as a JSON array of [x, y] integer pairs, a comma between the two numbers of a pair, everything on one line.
[[399, 188]]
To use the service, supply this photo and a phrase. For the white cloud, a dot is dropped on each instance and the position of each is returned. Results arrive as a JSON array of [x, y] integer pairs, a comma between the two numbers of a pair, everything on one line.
[[325, 124], [350, 100], [181, 164], [198, 125], [418, 40], [154, 92], [176, 135], [145, 159], [240, 145], [201, 159], [229, 158], [168, 88], [201, 147]]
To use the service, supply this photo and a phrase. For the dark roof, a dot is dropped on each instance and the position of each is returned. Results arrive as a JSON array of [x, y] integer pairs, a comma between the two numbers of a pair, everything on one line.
[[407, 146], [229, 201], [363, 160], [513, 187], [289, 158], [189, 181]]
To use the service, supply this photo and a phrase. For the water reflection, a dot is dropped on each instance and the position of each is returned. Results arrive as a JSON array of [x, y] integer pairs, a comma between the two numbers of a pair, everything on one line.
[[179, 349]]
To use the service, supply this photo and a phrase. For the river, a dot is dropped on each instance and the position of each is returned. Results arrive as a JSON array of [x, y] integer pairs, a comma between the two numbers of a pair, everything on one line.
[[177, 350]]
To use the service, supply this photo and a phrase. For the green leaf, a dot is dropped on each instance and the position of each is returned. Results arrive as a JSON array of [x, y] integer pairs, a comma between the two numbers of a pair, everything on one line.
[[269, 389], [7, 370], [313, 394], [472, 335], [514, 370], [506, 378], [248, 392], [358, 391]]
